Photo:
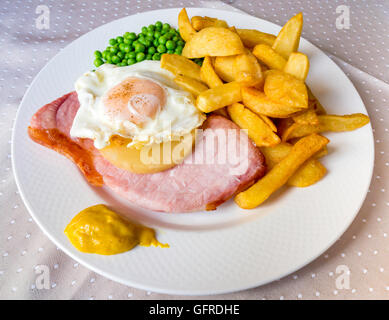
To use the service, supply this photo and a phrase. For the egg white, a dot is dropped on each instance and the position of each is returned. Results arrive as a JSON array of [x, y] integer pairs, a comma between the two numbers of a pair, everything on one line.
[[177, 118]]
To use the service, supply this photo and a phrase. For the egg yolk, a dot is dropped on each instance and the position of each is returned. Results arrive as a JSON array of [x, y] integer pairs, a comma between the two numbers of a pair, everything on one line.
[[100, 230], [135, 99]]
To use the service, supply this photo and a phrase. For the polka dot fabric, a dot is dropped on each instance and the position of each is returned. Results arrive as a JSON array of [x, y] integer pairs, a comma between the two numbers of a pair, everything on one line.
[[361, 51]]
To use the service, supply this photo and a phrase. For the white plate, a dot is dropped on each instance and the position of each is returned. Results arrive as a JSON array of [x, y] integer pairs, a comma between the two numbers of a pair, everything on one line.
[[223, 251]]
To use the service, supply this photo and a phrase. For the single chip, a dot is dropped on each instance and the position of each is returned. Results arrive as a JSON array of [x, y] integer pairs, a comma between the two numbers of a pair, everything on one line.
[[224, 67], [308, 174], [288, 39], [286, 89], [251, 38], [328, 122], [259, 103], [282, 171], [297, 65], [247, 70], [189, 84], [258, 130], [208, 74], [180, 65], [219, 97], [184, 25], [269, 57], [214, 42], [199, 23]]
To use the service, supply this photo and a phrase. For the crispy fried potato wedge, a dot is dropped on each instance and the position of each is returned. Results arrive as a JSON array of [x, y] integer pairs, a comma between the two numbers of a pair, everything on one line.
[[282, 171], [259, 103], [214, 42], [286, 89], [308, 174], [247, 70], [224, 67], [308, 116], [288, 39], [199, 23], [180, 66], [219, 97], [317, 106], [189, 84], [269, 122], [251, 38], [258, 130], [208, 74], [297, 65], [269, 57], [184, 25], [328, 122]]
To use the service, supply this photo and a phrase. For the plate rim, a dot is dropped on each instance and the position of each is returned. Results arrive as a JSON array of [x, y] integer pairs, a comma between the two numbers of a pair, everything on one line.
[[189, 292]]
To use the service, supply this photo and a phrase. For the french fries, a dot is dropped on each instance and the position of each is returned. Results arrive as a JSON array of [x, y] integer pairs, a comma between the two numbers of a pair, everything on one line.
[[286, 89], [213, 41], [269, 57], [199, 23], [186, 29], [208, 74], [288, 39], [269, 122], [247, 70], [282, 171], [224, 67], [189, 84], [258, 130], [219, 97], [180, 66], [251, 38], [297, 65], [328, 122], [259, 103], [308, 174]]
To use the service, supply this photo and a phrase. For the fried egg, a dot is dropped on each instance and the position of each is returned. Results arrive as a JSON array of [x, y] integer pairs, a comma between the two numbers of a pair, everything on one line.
[[140, 102]]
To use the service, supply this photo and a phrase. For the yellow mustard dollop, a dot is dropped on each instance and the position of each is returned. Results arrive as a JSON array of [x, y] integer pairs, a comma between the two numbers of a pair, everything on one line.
[[100, 230]]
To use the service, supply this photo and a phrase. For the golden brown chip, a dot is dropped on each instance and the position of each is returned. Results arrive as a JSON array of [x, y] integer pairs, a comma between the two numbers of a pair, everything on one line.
[[251, 38], [208, 74], [184, 25]]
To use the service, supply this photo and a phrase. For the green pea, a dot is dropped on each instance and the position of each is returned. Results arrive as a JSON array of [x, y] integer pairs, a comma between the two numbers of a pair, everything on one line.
[[151, 27], [155, 43], [151, 50], [127, 41], [104, 54], [162, 40], [178, 50], [127, 48], [109, 57], [112, 41], [135, 43], [144, 30], [158, 25], [156, 56], [140, 48], [98, 54], [168, 36], [98, 62], [142, 40], [126, 35], [132, 55], [149, 56], [131, 61], [119, 39], [180, 43], [175, 38], [113, 50], [150, 33], [166, 27], [147, 43], [121, 55], [171, 51], [132, 36], [140, 56], [170, 45], [150, 38], [157, 34], [161, 48], [121, 46], [115, 59]]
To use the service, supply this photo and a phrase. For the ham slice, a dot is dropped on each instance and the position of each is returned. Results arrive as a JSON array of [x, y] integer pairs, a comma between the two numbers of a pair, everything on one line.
[[196, 184]]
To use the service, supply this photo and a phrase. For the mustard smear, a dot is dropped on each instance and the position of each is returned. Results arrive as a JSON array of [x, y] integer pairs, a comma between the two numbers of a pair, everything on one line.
[[100, 230]]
